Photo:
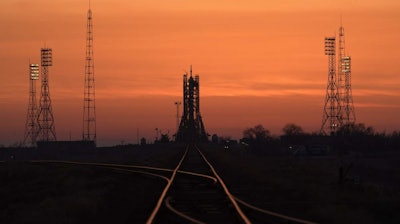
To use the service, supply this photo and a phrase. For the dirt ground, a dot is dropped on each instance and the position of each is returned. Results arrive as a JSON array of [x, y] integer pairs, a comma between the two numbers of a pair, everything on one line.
[[308, 187]]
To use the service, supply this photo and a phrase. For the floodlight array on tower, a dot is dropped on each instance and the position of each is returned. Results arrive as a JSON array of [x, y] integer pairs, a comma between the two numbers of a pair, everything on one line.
[[31, 125], [46, 128], [338, 108]]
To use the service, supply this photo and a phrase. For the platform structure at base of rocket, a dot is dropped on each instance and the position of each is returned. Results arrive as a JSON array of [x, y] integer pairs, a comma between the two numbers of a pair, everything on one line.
[[191, 127]]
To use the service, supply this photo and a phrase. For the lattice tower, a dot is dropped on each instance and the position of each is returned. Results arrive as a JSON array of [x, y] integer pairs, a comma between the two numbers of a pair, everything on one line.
[[46, 130], [331, 116], [31, 125], [89, 111], [340, 73], [345, 92]]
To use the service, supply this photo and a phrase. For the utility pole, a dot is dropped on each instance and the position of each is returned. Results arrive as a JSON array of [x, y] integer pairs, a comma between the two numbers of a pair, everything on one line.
[[156, 129], [177, 104]]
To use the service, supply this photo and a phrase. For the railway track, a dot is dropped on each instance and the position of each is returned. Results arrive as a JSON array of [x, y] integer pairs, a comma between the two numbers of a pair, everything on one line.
[[192, 198], [195, 193]]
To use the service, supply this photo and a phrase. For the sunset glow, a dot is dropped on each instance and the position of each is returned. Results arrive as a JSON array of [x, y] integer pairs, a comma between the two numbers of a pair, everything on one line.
[[260, 62]]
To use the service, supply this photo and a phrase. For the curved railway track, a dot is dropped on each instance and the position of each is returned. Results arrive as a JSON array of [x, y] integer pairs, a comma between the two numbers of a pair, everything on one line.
[[195, 193], [188, 198]]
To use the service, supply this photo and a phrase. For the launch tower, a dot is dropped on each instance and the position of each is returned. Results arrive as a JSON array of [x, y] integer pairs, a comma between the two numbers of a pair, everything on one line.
[[191, 128], [46, 131]]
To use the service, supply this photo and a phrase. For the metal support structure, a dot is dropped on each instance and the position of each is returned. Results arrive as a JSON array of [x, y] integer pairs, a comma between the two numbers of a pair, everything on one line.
[[31, 126], [191, 128], [47, 131], [339, 108], [349, 115], [331, 117], [340, 73], [89, 111], [177, 104], [156, 136], [344, 74]]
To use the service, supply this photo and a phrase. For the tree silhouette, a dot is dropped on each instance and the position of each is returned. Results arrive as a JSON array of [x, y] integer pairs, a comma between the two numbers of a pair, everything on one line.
[[357, 136], [258, 138], [164, 138], [355, 129], [258, 133], [292, 130]]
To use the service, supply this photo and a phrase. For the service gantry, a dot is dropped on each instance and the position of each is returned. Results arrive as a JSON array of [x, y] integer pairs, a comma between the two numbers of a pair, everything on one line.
[[46, 131], [89, 107], [31, 125], [191, 128]]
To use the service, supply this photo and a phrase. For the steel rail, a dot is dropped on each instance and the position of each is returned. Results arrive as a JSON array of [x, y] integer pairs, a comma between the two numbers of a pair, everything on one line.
[[230, 196], [103, 164], [125, 166], [164, 193], [199, 175], [110, 166], [181, 214], [168, 205], [275, 214], [141, 172], [289, 218], [113, 166]]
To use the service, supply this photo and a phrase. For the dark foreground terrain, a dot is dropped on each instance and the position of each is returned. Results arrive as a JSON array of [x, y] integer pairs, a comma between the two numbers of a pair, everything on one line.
[[66, 193], [33, 193], [306, 187]]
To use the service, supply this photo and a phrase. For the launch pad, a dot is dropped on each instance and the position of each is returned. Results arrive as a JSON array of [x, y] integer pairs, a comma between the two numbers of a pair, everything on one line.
[[191, 128]]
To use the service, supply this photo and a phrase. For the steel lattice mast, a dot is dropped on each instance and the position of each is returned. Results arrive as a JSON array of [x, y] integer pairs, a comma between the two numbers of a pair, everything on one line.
[[89, 111], [45, 120], [345, 91], [31, 126], [340, 73], [331, 117]]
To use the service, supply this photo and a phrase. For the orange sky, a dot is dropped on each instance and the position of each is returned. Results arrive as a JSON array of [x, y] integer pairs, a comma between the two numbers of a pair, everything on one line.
[[260, 62]]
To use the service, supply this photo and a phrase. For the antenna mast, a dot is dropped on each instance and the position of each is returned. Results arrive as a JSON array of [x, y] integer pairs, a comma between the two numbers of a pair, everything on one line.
[[89, 111]]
